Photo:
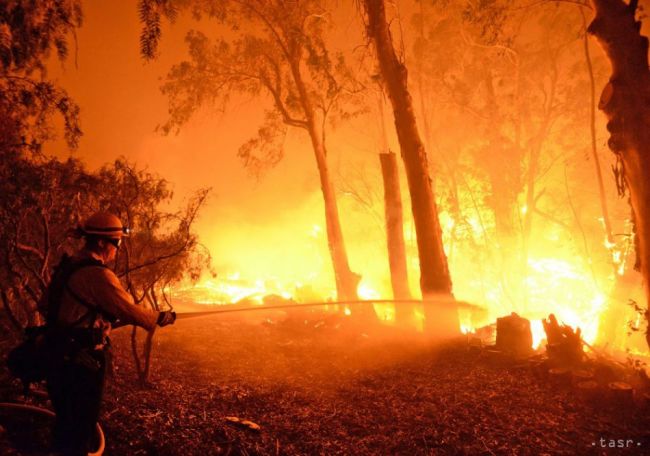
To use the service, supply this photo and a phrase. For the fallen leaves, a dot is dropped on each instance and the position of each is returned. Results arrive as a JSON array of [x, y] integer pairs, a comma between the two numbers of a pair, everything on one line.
[[224, 386]]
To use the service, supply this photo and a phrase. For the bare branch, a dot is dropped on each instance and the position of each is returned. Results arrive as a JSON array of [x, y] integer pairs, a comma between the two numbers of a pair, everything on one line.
[[29, 248]]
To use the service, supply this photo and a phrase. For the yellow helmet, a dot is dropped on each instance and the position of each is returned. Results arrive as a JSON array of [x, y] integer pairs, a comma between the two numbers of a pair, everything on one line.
[[104, 224]]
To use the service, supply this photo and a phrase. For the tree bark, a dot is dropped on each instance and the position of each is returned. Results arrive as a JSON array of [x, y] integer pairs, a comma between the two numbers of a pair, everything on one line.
[[626, 102], [346, 280], [395, 232], [434, 271]]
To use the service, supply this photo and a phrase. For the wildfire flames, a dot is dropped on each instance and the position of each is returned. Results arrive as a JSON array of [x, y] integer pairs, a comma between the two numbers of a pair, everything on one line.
[[563, 284]]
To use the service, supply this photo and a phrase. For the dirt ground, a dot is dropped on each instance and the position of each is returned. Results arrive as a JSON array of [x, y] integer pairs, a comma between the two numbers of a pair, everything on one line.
[[323, 385]]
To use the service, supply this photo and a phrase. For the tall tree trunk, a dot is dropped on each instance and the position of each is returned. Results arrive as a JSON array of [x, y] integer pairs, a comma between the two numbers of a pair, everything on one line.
[[394, 215], [434, 271], [424, 112], [395, 233], [346, 280], [626, 102], [502, 172], [435, 281]]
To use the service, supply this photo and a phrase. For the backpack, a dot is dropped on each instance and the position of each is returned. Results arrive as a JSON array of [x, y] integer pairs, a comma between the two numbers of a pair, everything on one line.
[[31, 360]]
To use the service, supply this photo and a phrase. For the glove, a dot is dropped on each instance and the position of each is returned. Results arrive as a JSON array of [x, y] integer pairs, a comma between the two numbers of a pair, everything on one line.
[[166, 318]]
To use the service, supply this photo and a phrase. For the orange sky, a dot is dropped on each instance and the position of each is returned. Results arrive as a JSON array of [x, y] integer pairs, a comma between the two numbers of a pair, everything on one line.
[[121, 104]]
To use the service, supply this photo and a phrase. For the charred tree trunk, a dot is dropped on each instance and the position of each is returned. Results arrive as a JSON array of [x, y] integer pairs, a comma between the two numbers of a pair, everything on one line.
[[626, 102], [434, 271], [395, 232]]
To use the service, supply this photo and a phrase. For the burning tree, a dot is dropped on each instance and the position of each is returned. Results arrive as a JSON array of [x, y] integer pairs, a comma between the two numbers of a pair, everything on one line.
[[626, 100], [508, 113], [278, 50]]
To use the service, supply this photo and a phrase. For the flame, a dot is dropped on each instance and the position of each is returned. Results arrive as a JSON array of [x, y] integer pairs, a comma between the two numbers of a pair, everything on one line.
[[539, 335], [467, 329], [553, 285], [466, 324], [365, 291], [554, 279]]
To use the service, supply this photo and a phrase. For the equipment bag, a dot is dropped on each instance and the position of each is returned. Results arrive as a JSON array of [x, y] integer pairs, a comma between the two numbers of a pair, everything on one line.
[[30, 359], [42, 346]]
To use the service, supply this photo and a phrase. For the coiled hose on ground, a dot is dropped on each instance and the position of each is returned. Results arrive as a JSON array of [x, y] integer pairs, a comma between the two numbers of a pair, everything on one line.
[[50, 413]]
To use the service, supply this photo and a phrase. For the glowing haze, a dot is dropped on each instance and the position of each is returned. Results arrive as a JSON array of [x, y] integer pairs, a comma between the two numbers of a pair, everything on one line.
[[267, 236]]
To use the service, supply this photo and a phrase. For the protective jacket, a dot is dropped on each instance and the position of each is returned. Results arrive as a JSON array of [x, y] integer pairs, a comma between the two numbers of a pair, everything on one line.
[[93, 297]]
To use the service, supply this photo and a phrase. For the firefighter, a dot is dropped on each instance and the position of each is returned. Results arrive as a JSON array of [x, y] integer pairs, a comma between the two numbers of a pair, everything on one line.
[[84, 300]]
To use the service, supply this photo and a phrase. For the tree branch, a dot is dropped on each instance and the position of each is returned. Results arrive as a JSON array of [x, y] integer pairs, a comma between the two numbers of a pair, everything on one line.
[[29, 248], [279, 104]]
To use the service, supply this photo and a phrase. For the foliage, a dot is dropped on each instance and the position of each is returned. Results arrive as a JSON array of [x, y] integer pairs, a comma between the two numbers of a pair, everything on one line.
[[45, 198], [273, 50], [29, 32]]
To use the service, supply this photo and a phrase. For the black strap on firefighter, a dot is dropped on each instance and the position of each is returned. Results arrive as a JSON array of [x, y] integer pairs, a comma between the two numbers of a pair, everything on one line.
[[59, 285], [46, 345]]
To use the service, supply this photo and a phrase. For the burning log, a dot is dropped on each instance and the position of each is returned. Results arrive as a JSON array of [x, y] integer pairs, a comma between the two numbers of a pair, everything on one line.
[[514, 335], [564, 345]]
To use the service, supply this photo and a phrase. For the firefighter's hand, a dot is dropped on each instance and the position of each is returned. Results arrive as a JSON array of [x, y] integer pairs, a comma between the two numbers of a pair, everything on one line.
[[166, 318]]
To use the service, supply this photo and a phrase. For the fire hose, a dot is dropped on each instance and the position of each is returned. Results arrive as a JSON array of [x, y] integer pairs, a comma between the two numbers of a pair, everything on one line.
[[447, 302], [50, 413]]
